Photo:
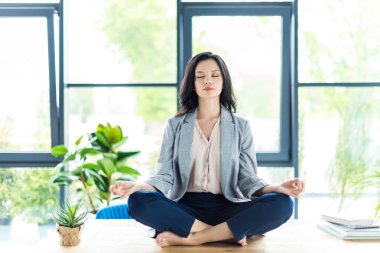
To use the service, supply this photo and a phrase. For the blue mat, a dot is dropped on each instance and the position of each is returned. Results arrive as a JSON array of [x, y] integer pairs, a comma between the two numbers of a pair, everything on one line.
[[114, 212]]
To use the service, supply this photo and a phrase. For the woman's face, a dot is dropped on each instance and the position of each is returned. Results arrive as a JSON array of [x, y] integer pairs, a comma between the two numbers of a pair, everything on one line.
[[208, 79]]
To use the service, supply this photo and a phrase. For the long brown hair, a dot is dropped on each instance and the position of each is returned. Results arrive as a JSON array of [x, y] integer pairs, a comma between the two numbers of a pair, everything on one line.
[[188, 98]]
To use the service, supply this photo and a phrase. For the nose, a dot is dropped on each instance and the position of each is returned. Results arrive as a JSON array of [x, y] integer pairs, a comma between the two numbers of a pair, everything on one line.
[[207, 82]]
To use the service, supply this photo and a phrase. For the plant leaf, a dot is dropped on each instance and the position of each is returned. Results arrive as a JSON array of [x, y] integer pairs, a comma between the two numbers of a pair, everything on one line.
[[103, 195], [101, 128], [128, 171], [107, 166], [91, 166], [88, 151], [79, 140], [70, 158], [102, 139], [115, 134], [77, 171], [90, 181], [59, 150], [110, 156], [124, 155], [99, 182], [62, 180]]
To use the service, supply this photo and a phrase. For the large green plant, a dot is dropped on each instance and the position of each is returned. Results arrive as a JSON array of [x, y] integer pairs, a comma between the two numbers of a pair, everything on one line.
[[96, 162]]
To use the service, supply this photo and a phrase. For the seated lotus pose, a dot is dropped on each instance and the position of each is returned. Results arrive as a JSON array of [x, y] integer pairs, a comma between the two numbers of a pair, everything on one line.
[[206, 188]]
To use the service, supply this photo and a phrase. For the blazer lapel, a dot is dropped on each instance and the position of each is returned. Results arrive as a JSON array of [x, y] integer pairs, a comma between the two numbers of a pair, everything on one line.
[[185, 141], [226, 140]]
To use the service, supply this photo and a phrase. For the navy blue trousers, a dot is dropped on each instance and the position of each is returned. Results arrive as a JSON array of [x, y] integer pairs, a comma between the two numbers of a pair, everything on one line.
[[256, 217]]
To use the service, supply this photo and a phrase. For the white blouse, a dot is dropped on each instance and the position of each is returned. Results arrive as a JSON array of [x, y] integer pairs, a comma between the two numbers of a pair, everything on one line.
[[205, 161]]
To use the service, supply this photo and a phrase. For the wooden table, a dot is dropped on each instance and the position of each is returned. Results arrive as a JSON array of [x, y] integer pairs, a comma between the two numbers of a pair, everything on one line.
[[117, 236]]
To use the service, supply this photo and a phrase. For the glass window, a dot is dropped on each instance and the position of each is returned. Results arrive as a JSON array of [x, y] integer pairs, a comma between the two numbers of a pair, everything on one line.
[[121, 41], [142, 113], [251, 48], [338, 144], [275, 175], [339, 41], [24, 81], [27, 198]]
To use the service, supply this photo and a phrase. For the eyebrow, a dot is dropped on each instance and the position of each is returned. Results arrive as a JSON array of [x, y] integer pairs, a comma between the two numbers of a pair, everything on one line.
[[211, 71]]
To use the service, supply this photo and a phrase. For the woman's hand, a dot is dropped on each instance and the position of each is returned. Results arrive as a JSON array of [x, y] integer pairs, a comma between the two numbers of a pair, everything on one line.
[[293, 187], [125, 188]]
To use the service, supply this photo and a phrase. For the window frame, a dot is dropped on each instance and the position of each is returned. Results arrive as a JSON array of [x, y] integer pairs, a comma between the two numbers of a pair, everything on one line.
[[33, 158]]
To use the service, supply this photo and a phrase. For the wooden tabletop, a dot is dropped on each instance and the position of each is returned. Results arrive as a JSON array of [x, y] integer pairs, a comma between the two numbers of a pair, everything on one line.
[[121, 236]]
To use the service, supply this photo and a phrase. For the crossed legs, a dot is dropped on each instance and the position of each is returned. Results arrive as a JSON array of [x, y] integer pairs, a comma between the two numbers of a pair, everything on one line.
[[220, 232], [179, 227]]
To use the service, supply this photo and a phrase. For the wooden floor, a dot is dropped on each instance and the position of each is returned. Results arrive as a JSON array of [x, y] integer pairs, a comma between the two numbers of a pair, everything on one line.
[[121, 236]]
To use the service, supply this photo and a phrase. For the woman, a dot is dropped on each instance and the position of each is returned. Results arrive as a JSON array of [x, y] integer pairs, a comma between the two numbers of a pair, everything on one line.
[[206, 188]]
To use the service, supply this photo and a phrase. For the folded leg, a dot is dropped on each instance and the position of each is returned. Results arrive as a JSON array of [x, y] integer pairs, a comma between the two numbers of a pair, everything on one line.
[[153, 209]]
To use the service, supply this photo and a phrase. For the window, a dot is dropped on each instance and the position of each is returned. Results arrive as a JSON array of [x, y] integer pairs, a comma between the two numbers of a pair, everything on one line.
[[27, 132], [122, 69], [29, 119], [339, 42], [338, 104], [254, 40]]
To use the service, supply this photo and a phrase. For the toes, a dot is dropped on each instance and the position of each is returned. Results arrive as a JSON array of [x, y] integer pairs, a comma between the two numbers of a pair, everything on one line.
[[163, 243], [243, 242], [159, 240]]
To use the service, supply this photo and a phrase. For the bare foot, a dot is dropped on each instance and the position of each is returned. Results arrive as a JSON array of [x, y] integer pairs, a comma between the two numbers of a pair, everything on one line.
[[243, 242], [167, 238]]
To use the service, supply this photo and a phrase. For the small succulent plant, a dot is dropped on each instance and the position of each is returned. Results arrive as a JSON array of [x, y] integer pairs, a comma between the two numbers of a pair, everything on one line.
[[70, 215]]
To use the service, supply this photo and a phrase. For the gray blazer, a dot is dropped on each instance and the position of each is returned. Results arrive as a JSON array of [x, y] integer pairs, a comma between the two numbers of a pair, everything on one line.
[[237, 158]]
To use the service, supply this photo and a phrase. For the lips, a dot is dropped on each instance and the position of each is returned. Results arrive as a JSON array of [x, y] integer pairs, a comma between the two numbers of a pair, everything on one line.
[[208, 88]]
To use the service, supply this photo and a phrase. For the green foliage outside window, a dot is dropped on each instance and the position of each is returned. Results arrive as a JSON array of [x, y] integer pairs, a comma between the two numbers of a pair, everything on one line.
[[27, 193], [145, 34], [354, 107]]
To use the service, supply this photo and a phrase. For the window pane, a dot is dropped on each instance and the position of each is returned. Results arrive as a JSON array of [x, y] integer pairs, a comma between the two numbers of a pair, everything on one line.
[[252, 52], [339, 41], [24, 84], [275, 175], [26, 200], [121, 41], [339, 144], [142, 113]]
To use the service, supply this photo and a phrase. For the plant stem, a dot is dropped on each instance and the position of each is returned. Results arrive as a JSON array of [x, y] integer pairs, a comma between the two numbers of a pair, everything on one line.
[[108, 193], [88, 195], [108, 198]]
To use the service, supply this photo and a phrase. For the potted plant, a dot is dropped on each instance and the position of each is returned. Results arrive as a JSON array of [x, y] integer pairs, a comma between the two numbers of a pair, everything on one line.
[[70, 220], [95, 164]]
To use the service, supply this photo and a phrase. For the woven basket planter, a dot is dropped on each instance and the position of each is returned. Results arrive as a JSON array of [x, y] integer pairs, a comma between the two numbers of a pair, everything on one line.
[[69, 236]]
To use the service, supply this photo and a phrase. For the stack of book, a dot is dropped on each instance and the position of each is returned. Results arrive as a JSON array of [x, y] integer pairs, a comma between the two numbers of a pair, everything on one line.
[[349, 228]]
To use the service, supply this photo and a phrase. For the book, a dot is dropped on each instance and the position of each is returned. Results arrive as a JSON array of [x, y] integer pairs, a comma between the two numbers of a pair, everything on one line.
[[322, 226], [349, 220], [347, 231]]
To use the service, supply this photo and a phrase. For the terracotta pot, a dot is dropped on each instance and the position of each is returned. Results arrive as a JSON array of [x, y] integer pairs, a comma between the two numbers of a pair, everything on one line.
[[69, 236]]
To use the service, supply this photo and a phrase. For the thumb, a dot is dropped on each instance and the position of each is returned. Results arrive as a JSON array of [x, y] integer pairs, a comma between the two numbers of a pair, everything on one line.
[[130, 191]]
